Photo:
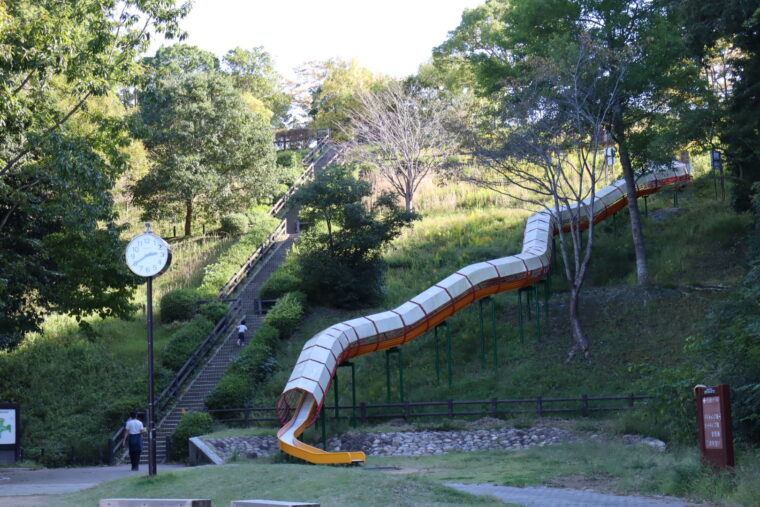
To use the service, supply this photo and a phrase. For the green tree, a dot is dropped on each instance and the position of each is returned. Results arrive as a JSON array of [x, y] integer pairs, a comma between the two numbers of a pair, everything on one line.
[[334, 91], [210, 151], [60, 155], [179, 59], [733, 28], [341, 263], [253, 72], [660, 91]]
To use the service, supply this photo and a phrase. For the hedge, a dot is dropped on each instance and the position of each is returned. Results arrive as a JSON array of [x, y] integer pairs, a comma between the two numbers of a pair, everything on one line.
[[184, 341], [191, 425], [214, 311], [178, 304], [282, 281], [216, 275], [234, 224], [287, 313]]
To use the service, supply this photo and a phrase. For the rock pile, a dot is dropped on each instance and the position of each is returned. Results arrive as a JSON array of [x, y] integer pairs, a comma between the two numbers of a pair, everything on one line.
[[405, 443], [419, 443]]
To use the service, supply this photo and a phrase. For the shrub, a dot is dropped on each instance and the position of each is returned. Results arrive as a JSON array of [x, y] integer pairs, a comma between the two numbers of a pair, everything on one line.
[[233, 391], [256, 214], [214, 311], [65, 386], [353, 283], [184, 341], [191, 425], [217, 275], [287, 313], [288, 159], [234, 224], [250, 363], [280, 283], [178, 304], [267, 335]]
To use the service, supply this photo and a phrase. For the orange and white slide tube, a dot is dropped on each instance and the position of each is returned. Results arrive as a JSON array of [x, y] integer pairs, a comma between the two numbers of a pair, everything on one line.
[[305, 392]]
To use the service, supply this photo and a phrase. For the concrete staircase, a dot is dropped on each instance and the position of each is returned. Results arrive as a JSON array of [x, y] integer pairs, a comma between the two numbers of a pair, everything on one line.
[[192, 399]]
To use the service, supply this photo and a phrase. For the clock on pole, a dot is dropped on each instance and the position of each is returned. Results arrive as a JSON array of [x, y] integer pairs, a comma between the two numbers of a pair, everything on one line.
[[148, 256]]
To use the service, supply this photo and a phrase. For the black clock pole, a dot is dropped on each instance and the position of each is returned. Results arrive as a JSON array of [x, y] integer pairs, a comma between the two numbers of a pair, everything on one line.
[[151, 397]]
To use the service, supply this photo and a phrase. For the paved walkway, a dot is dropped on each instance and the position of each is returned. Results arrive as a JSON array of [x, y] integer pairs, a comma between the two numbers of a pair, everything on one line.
[[24, 487], [561, 497]]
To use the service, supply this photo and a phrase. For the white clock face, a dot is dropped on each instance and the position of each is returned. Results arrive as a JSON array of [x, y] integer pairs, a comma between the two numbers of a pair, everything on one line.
[[148, 255]]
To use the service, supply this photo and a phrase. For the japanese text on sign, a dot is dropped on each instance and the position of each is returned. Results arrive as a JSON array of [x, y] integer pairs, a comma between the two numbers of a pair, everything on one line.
[[712, 423]]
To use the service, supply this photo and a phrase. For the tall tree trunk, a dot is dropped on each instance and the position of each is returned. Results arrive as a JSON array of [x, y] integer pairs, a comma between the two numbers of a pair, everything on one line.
[[580, 339], [188, 217], [642, 271]]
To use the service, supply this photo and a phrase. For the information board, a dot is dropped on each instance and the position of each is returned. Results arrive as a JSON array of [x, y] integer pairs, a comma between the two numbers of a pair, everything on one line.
[[7, 426], [715, 427], [9, 432]]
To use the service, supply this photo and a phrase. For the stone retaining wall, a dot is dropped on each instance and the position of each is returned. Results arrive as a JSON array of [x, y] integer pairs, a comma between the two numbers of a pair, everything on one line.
[[405, 443]]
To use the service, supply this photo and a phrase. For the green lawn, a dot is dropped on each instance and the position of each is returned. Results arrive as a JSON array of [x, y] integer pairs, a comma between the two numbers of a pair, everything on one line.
[[605, 465], [329, 486]]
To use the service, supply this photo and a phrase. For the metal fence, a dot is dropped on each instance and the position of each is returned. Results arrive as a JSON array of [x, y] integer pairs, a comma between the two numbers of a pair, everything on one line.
[[493, 407]]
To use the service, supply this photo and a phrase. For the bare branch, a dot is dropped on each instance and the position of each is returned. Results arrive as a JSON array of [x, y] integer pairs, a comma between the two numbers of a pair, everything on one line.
[[404, 134]]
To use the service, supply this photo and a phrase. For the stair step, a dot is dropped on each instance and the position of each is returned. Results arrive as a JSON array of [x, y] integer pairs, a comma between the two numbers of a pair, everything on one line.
[[193, 399]]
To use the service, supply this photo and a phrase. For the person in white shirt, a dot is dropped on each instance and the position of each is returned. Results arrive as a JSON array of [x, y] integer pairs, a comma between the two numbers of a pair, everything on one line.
[[241, 329], [133, 430]]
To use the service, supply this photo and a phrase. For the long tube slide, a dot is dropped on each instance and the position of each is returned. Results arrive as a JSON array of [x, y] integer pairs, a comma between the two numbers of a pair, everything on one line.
[[305, 392]]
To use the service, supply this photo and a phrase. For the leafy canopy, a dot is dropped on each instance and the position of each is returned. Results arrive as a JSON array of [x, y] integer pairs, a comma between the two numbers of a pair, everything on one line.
[[61, 153], [210, 151], [340, 264]]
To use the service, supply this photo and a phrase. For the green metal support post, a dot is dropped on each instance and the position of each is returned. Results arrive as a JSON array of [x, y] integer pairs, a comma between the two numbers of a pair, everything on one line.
[[538, 314], [323, 423], [401, 374], [493, 337], [388, 375], [437, 358], [337, 397], [400, 354], [528, 294], [554, 253], [448, 351], [347, 364], [520, 323], [482, 335], [646, 206]]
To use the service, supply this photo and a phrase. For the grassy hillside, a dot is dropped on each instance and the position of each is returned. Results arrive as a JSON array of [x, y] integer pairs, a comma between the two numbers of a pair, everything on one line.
[[694, 246]]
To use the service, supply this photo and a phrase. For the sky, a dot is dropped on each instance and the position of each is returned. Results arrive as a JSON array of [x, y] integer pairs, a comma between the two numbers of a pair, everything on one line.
[[391, 37]]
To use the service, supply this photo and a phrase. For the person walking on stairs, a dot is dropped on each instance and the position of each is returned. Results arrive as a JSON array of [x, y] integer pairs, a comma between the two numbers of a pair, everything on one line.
[[241, 329], [133, 430]]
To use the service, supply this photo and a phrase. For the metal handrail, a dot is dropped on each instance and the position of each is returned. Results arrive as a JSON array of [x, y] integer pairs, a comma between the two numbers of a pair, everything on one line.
[[187, 371], [309, 160], [233, 283], [190, 367]]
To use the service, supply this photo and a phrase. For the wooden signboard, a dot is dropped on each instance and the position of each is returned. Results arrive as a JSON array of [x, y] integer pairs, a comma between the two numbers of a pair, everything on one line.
[[716, 437]]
